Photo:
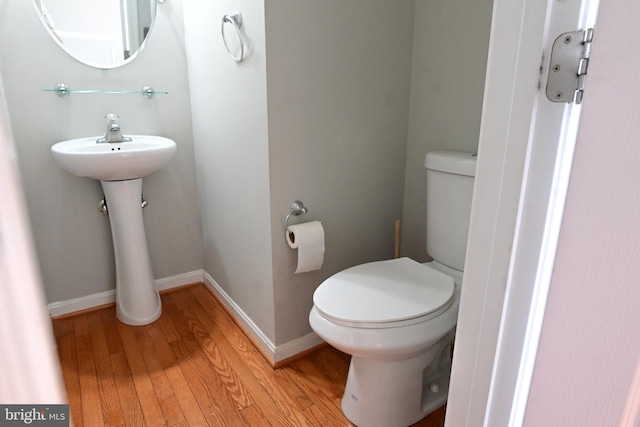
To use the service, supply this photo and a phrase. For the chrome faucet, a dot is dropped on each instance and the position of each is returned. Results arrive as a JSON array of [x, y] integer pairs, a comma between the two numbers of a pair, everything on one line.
[[114, 134]]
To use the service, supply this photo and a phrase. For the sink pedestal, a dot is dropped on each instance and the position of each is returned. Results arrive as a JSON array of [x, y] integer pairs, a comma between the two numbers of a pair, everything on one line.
[[137, 300]]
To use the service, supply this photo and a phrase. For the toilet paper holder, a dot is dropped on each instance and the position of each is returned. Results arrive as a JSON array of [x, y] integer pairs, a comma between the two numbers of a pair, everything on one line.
[[297, 208]]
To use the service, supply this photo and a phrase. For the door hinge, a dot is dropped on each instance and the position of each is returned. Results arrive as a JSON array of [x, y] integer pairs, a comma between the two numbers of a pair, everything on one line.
[[568, 67]]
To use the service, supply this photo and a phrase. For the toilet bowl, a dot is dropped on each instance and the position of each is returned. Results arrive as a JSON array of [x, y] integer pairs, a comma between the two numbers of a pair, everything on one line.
[[396, 318]]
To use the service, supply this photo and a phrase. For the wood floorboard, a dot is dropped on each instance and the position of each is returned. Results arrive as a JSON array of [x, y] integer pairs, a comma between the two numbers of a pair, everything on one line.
[[141, 379], [256, 377], [193, 367], [128, 399], [111, 411], [238, 395], [204, 383], [164, 390], [65, 333], [307, 376], [254, 417], [111, 335], [89, 390], [200, 386], [182, 390]]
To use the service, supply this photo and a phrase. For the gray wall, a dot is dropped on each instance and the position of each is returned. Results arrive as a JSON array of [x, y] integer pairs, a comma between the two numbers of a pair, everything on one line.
[[347, 113], [338, 77], [450, 47], [320, 119], [232, 159], [73, 239]]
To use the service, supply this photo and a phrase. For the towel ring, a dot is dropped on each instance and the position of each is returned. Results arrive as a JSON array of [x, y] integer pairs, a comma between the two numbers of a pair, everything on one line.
[[235, 20]]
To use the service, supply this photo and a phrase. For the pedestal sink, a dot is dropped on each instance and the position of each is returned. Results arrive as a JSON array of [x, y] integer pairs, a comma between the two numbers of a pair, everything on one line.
[[120, 167]]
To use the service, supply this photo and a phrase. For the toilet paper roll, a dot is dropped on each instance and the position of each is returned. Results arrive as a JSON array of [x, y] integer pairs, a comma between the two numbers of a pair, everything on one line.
[[308, 239]]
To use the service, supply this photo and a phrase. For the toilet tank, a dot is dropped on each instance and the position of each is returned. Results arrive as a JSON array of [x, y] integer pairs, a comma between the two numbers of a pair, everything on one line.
[[450, 176]]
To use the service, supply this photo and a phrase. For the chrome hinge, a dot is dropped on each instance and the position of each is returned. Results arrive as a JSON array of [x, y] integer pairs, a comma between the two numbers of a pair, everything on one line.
[[568, 67]]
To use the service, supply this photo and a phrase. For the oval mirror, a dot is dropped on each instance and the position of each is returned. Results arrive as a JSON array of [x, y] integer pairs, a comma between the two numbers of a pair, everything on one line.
[[99, 33]]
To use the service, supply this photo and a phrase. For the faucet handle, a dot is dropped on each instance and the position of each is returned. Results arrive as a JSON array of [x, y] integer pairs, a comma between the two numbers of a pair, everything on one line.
[[111, 117]]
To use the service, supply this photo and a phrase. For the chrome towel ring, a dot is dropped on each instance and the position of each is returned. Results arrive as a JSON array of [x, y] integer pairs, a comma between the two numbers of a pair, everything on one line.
[[236, 21]]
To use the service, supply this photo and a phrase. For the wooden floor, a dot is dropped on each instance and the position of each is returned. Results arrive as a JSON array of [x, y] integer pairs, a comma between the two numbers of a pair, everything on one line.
[[193, 367]]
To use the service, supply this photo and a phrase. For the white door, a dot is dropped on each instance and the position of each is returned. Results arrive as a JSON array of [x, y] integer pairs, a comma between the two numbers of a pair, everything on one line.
[[587, 367], [28, 359], [524, 159]]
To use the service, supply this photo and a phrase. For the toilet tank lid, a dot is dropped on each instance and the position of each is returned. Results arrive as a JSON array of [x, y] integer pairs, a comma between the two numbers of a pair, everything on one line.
[[456, 162]]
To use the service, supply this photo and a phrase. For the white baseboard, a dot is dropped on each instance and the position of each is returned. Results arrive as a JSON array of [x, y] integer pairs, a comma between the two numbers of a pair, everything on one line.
[[109, 297], [180, 280], [274, 353], [297, 346], [267, 347]]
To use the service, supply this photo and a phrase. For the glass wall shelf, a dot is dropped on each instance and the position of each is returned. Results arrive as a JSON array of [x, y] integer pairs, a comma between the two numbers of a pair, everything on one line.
[[63, 91]]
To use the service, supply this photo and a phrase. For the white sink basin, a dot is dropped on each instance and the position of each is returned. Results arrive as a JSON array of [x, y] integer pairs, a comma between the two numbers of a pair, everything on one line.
[[114, 161]]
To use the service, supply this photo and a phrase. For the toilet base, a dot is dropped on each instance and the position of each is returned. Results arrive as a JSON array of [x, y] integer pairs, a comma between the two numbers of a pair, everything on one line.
[[386, 393]]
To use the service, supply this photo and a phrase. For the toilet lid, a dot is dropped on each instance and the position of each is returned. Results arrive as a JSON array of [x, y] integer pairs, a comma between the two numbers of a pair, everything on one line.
[[384, 294]]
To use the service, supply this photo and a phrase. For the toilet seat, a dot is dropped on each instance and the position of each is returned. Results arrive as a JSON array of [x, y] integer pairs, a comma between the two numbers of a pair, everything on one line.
[[384, 294]]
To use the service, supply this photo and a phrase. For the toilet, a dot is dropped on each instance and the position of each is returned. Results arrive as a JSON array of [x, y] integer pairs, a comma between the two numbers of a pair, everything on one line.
[[397, 318]]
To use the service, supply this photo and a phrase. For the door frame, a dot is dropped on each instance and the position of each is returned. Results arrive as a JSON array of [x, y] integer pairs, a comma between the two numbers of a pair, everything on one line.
[[499, 324]]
